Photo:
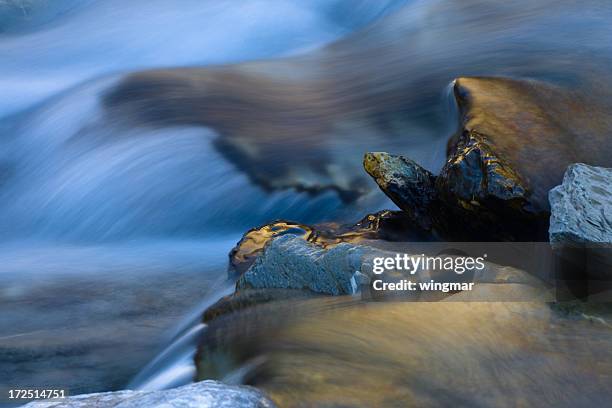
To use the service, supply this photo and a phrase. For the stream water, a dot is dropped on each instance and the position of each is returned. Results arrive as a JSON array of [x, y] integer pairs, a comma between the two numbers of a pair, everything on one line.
[[114, 229], [112, 235]]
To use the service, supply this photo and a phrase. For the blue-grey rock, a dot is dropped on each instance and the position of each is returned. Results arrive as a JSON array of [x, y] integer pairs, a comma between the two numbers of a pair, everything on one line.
[[205, 394], [581, 207], [289, 262]]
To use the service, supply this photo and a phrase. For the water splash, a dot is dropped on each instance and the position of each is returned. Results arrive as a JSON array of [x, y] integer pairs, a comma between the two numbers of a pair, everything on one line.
[[174, 366]]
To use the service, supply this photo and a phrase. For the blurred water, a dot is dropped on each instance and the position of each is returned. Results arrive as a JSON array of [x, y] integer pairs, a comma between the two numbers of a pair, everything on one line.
[[112, 235], [47, 46], [88, 317], [130, 187], [335, 351], [76, 174], [70, 170]]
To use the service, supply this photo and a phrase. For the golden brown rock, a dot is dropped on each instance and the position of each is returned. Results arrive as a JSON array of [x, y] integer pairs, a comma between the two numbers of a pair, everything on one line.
[[534, 130]]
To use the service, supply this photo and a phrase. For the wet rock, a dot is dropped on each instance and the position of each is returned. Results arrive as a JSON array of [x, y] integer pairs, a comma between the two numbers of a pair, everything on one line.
[[409, 185], [525, 133], [290, 267], [289, 262], [483, 189], [476, 197], [252, 242], [384, 225], [515, 139], [581, 207], [475, 177], [581, 234], [202, 394]]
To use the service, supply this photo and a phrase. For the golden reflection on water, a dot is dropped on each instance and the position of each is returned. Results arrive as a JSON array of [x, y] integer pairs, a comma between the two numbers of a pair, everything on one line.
[[341, 352]]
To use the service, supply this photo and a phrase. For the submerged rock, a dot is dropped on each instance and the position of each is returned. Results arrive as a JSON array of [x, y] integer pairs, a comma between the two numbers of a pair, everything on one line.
[[581, 207], [205, 394], [244, 299], [340, 352]]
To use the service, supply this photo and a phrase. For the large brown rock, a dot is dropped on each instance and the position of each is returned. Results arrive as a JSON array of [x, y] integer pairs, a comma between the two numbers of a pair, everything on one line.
[[526, 132], [515, 140]]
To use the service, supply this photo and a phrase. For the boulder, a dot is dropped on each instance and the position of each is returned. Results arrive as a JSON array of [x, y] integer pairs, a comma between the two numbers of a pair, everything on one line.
[[533, 129], [476, 197], [205, 394], [383, 225], [336, 351], [515, 140], [581, 207], [289, 262]]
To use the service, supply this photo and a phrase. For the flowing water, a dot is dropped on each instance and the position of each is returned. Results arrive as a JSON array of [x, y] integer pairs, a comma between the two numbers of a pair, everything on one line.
[[120, 199], [110, 234]]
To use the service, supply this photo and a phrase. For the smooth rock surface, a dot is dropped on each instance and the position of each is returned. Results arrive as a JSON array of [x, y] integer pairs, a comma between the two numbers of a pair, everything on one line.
[[205, 394], [535, 129], [289, 262], [384, 225], [581, 207]]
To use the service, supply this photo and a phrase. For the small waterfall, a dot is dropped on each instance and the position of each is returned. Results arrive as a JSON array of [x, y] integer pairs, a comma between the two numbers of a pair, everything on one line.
[[125, 225], [76, 174], [175, 365]]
